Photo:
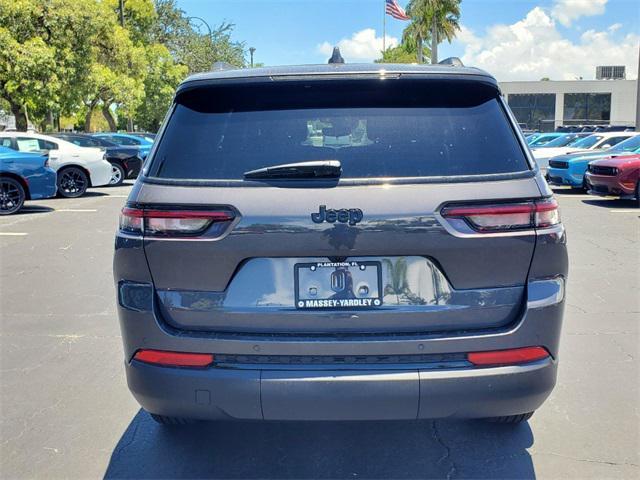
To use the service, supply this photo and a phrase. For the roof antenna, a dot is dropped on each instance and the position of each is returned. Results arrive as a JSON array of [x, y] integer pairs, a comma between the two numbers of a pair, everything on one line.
[[336, 57]]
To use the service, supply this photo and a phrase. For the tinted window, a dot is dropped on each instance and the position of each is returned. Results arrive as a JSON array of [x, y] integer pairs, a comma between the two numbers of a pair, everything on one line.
[[83, 141], [6, 142], [588, 142], [47, 145], [629, 145], [441, 138], [124, 140], [611, 141]]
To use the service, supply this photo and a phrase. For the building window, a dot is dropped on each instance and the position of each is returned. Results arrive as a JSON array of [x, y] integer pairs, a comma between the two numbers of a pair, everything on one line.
[[587, 108], [535, 110]]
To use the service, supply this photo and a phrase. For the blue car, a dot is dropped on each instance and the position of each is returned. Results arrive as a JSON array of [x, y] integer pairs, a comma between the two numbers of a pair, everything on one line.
[[570, 169], [543, 138], [24, 176], [143, 143]]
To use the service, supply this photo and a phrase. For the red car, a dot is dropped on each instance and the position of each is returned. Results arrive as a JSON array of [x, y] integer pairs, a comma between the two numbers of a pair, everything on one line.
[[616, 176]]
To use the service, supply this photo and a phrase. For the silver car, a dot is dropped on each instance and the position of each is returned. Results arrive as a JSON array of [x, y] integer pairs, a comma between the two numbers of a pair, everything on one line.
[[340, 242]]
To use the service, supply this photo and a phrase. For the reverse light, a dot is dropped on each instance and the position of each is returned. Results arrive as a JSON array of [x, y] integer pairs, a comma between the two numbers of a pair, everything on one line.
[[171, 222], [512, 356], [174, 359], [507, 216]]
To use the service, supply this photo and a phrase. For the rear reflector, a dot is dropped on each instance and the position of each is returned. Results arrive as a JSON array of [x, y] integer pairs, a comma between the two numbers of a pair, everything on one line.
[[174, 359], [508, 357], [507, 216], [172, 222]]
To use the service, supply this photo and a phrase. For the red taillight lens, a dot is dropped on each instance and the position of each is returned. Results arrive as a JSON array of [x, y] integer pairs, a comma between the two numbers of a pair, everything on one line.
[[506, 216], [508, 357], [169, 222], [174, 359]]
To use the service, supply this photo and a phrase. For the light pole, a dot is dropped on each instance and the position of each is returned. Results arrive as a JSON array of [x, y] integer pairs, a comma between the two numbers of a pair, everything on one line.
[[251, 50], [205, 24]]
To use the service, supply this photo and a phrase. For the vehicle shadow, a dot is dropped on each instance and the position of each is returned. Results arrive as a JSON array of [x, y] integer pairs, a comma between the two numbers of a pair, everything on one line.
[[251, 450], [31, 209], [612, 203], [568, 191]]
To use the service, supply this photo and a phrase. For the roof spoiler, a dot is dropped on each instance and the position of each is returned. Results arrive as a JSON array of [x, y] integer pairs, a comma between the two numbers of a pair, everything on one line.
[[452, 62]]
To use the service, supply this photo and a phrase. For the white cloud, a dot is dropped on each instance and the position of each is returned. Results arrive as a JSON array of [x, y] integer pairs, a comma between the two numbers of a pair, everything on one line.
[[363, 46], [533, 48], [566, 11]]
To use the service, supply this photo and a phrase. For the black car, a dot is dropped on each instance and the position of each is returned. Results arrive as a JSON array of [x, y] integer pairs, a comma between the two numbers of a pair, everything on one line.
[[125, 161]]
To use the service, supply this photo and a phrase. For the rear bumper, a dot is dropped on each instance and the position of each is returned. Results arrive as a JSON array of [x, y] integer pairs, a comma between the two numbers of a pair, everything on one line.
[[100, 173], [134, 165], [43, 185], [222, 393]]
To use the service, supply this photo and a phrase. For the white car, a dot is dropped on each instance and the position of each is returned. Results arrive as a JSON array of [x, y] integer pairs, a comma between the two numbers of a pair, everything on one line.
[[77, 167], [597, 141]]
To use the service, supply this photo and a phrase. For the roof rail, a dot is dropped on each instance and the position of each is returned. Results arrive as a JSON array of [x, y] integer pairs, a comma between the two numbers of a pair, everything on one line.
[[220, 66], [452, 62]]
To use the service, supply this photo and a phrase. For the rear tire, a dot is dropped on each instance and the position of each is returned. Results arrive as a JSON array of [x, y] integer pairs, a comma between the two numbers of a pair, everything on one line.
[[638, 194], [163, 420], [72, 182], [12, 196], [513, 419]]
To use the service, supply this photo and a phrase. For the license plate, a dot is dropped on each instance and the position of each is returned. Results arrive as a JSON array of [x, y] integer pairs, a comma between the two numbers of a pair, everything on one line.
[[336, 285]]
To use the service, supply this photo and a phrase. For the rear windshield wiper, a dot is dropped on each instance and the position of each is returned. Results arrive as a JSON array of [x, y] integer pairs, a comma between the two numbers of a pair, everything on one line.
[[314, 169]]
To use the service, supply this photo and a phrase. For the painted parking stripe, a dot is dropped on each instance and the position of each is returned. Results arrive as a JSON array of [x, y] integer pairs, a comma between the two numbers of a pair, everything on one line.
[[631, 210], [13, 234], [76, 210]]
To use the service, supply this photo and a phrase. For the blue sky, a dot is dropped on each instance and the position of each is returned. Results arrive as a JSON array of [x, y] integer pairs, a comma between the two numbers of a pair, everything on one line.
[[537, 35]]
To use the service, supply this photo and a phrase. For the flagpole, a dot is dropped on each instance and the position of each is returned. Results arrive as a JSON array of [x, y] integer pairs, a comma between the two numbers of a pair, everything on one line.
[[384, 26]]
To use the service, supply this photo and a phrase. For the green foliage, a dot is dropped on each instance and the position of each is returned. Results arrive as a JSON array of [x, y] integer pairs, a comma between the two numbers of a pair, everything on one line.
[[163, 75], [434, 21], [45, 52], [403, 53], [72, 58]]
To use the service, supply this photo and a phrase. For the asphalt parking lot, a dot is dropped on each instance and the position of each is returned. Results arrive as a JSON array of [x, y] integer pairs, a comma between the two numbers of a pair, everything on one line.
[[66, 411]]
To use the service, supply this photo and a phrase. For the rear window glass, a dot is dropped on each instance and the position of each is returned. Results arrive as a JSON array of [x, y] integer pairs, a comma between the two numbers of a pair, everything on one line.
[[421, 134]]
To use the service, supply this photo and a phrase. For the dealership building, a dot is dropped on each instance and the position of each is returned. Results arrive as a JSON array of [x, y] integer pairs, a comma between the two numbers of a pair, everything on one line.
[[546, 104]]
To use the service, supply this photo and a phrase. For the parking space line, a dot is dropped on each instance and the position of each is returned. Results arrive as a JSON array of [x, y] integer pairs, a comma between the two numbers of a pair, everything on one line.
[[631, 210], [85, 210], [13, 234]]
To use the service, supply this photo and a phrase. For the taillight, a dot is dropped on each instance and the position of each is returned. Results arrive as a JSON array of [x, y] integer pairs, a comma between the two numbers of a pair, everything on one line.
[[157, 222], [508, 357], [506, 216], [174, 359]]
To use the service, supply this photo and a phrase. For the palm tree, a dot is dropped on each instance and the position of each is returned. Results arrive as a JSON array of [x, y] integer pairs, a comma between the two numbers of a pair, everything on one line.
[[436, 20]]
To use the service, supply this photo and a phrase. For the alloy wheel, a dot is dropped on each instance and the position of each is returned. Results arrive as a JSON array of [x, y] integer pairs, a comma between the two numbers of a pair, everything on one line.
[[72, 182], [11, 196], [117, 175]]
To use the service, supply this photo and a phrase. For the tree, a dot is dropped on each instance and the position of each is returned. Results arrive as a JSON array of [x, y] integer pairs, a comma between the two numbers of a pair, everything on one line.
[[403, 53], [163, 75], [45, 52], [437, 20], [190, 45]]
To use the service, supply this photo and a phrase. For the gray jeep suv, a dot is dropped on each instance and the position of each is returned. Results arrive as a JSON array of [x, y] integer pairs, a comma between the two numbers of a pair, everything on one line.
[[340, 242]]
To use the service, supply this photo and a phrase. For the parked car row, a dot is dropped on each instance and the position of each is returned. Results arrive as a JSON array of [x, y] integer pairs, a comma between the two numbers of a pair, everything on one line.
[[606, 163], [69, 162]]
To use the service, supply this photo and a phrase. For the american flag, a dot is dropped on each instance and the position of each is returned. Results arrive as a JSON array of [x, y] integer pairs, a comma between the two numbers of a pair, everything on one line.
[[396, 11]]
